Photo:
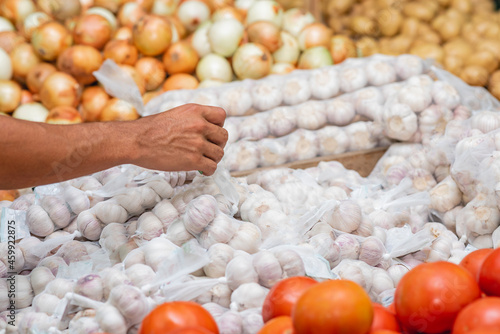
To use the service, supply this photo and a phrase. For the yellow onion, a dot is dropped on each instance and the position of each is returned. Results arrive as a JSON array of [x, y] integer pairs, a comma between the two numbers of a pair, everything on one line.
[[138, 79], [34, 112], [8, 195], [178, 30], [10, 95], [33, 21], [295, 19], [92, 30], [152, 35], [485, 59], [130, 13], [60, 89], [214, 67], [123, 33], [122, 52], [165, 7], [289, 50], [37, 75], [227, 13], [180, 58], [94, 99], [23, 59], [495, 90], [148, 96], [180, 81], [266, 34], [86, 4], [118, 110], [146, 4], [50, 39], [192, 13], [63, 115], [316, 57], [252, 61], [314, 34], [109, 16], [6, 67], [218, 4], [475, 75], [111, 5], [9, 40], [152, 70], [16, 10], [60, 9], [341, 48], [494, 78], [80, 61]]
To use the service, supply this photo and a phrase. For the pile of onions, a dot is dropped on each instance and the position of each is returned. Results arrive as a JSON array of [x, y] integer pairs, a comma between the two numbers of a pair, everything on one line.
[[118, 110], [121, 52], [152, 70], [50, 39], [94, 99], [152, 35], [10, 95], [80, 61], [92, 30], [252, 61], [60, 89], [180, 58], [63, 115]]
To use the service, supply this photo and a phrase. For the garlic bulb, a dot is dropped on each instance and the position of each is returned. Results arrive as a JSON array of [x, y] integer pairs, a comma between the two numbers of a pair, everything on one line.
[[349, 246], [111, 320], [445, 195], [271, 153], [40, 277], [345, 217], [408, 66], [199, 213], [178, 234], [281, 121], [301, 145], [88, 225], [400, 122], [360, 135], [324, 83], [111, 212], [445, 95], [90, 286], [247, 238], [372, 251], [232, 131], [423, 81], [230, 322], [479, 217], [57, 210], [236, 101], [205, 98], [332, 140], [45, 303], [30, 255], [155, 250], [266, 95], [219, 255], [434, 120], [396, 272], [267, 267], [416, 97], [24, 293], [131, 303], [352, 79], [422, 179], [311, 115], [380, 73], [369, 102], [296, 90], [240, 270], [9, 254], [39, 222], [247, 296], [165, 212], [221, 230], [243, 155], [340, 112], [326, 247], [253, 127], [485, 121]]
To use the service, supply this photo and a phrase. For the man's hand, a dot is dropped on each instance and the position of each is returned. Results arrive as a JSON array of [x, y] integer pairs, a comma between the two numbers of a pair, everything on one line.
[[189, 137]]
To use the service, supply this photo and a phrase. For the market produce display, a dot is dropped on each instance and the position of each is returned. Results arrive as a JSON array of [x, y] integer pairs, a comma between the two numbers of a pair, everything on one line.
[[460, 35]]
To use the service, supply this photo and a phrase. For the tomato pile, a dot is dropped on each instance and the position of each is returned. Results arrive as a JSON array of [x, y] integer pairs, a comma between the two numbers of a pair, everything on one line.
[[433, 298]]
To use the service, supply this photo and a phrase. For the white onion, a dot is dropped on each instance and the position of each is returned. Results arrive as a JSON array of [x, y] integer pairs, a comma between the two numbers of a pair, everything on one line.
[[104, 13], [34, 112], [252, 61], [225, 36], [214, 67], [10, 95], [265, 10], [200, 40], [6, 66], [6, 25], [210, 83], [294, 20], [289, 51], [33, 21], [315, 58], [165, 7], [192, 13], [244, 5]]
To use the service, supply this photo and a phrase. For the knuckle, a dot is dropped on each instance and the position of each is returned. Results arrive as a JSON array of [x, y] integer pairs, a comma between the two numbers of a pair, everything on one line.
[[225, 135], [210, 169], [219, 154]]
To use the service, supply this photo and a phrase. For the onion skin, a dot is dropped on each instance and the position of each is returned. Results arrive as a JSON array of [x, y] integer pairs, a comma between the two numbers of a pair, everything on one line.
[[60, 9], [63, 115], [92, 30], [9, 40], [118, 110], [23, 59], [94, 99], [152, 35], [10, 95], [252, 61], [180, 57], [180, 81], [130, 13], [265, 33], [122, 52], [33, 21], [50, 39], [123, 33], [37, 75], [152, 70], [111, 5], [60, 89], [80, 61], [227, 13]]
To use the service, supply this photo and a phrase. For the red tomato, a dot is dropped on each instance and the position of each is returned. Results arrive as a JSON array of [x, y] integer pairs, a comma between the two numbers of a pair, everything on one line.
[[169, 317], [429, 297], [484, 331], [391, 308], [192, 330], [335, 306], [278, 325], [383, 319], [483, 314], [489, 277], [474, 260], [283, 296]]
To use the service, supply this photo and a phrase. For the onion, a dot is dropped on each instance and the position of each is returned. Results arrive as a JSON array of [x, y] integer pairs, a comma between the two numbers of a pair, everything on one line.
[[123, 34], [178, 30], [50, 39], [9, 40], [210, 83], [316, 57], [63, 115], [10, 95], [6, 25], [152, 35], [16, 10], [23, 59], [227, 13], [180, 81], [180, 58], [289, 50], [148, 96], [266, 34], [92, 30], [252, 61], [122, 52], [225, 36], [93, 101], [118, 110], [200, 40], [130, 13], [80, 61], [218, 4], [60, 89], [37, 75], [104, 13], [146, 4], [33, 21], [342, 47], [152, 70], [138, 79], [214, 67], [60, 9], [294, 20], [243, 5], [34, 112], [315, 34], [282, 68], [6, 67], [26, 96], [165, 7], [86, 4], [110, 5], [475, 75], [192, 13], [265, 10]]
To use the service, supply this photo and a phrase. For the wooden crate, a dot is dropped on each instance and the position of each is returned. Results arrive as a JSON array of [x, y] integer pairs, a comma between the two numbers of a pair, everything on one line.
[[361, 161]]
